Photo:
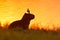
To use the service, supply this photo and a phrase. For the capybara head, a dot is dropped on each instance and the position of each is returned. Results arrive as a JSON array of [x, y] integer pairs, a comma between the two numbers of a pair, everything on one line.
[[28, 16]]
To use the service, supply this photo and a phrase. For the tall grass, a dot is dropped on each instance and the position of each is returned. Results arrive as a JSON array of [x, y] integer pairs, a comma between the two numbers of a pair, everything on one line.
[[20, 34]]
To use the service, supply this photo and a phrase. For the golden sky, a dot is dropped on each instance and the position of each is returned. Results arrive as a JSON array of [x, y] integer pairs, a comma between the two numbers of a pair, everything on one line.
[[47, 12]]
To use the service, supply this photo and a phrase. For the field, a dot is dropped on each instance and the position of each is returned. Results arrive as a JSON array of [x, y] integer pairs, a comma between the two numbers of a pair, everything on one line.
[[16, 34]]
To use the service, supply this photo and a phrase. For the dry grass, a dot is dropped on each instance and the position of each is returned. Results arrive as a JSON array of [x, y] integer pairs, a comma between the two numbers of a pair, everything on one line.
[[16, 34]]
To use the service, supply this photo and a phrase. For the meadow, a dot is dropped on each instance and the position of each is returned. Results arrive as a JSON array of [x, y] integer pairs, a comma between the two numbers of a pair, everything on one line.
[[20, 34]]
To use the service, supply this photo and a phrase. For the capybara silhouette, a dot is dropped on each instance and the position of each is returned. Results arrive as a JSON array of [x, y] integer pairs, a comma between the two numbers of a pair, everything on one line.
[[24, 22]]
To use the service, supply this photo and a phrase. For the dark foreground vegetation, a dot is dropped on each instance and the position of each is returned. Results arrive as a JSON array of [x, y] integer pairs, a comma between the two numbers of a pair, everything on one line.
[[20, 34]]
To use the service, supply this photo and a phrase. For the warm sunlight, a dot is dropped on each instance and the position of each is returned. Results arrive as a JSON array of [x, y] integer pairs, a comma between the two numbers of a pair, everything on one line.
[[47, 12]]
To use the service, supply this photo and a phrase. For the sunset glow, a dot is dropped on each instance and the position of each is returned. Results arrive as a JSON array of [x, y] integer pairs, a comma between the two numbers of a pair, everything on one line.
[[47, 12]]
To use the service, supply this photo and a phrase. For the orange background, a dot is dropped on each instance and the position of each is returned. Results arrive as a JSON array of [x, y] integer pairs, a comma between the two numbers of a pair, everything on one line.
[[47, 12]]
